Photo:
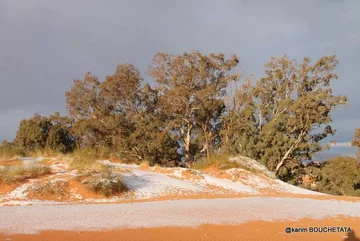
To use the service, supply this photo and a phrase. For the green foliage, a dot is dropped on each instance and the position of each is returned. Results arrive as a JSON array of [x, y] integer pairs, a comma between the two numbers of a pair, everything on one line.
[[285, 115], [191, 89], [356, 142], [149, 138], [105, 110], [149, 142], [192, 112], [295, 102], [239, 132], [41, 133], [340, 176], [17, 174]]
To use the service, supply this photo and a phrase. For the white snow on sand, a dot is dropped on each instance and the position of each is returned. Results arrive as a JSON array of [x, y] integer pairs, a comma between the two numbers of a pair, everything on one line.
[[20, 193], [227, 184], [185, 213], [150, 184], [162, 182]]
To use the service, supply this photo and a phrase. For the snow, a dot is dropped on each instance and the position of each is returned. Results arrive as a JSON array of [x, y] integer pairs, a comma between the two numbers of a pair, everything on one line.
[[162, 182], [227, 184], [179, 213], [119, 165], [252, 164], [20, 192], [259, 181], [178, 172], [285, 187], [150, 184]]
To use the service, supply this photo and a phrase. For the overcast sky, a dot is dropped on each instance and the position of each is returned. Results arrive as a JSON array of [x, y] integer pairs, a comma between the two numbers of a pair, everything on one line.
[[45, 45]]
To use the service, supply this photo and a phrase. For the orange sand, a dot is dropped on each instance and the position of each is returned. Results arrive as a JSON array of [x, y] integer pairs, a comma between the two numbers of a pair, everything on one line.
[[252, 231], [11, 162], [6, 188]]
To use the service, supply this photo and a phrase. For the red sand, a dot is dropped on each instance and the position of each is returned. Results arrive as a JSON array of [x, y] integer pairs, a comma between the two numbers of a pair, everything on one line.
[[251, 231]]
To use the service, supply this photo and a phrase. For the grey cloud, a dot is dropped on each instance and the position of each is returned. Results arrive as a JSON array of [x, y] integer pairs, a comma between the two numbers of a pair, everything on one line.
[[44, 45]]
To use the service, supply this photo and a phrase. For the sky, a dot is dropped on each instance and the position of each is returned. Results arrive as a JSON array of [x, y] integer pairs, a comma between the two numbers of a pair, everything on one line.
[[45, 45]]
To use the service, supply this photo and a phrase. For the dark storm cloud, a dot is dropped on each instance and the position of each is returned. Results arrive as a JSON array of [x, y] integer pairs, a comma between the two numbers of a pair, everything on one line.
[[44, 45]]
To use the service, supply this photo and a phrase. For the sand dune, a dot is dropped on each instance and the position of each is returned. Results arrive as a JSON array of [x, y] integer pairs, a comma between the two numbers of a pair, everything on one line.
[[211, 205]]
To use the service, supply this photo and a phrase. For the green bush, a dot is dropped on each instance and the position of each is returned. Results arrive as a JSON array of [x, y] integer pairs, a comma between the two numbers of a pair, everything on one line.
[[340, 176]]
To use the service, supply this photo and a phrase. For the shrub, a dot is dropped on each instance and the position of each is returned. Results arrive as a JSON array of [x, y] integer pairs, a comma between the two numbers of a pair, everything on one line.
[[50, 188], [17, 174], [106, 183], [85, 158], [340, 176], [10, 150], [221, 162]]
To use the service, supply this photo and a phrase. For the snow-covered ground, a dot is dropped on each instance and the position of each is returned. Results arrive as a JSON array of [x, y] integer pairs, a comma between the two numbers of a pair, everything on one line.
[[161, 182], [255, 196], [185, 213]]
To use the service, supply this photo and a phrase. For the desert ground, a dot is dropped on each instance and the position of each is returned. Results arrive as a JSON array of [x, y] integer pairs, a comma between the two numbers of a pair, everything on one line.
[[170, 204]]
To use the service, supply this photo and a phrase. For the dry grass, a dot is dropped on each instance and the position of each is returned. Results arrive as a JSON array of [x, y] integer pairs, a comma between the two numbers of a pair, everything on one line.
[[44, 152], [85, 158], [226, 162], [51, 188], [221, 162], [46, 161], [21, 173], [9, 150], [145, 165]]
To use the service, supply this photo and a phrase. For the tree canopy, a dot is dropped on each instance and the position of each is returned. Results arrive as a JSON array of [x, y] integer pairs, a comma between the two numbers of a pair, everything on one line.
[[197, 107]]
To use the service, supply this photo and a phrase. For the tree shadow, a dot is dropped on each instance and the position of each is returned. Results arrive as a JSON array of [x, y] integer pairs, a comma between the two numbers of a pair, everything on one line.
[[351, 237]]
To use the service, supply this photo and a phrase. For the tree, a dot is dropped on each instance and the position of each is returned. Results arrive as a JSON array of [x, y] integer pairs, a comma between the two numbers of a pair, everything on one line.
[[293, 109], [282, 118], [120, 114], [239, 132], [40, 132], [150, 139], [356, 141], [32, 133], [104, 110], [341, 176], [85, 106], [61, 137], [191, 87]]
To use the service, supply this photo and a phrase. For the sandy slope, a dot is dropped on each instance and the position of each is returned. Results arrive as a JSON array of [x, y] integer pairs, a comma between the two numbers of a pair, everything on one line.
[[226, 199], [153, 183]]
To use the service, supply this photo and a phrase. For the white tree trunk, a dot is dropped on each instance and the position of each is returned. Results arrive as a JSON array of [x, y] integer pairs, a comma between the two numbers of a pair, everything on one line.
[[287, 154], [187, 142]]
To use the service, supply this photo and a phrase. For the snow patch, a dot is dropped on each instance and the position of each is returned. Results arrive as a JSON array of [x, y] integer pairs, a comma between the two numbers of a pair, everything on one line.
[[227, 184], [149, 184]]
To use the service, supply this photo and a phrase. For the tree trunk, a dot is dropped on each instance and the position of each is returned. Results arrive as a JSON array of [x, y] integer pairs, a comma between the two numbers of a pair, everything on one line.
[[187, 143], [281, 163], [286, 156], [206, 146]]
